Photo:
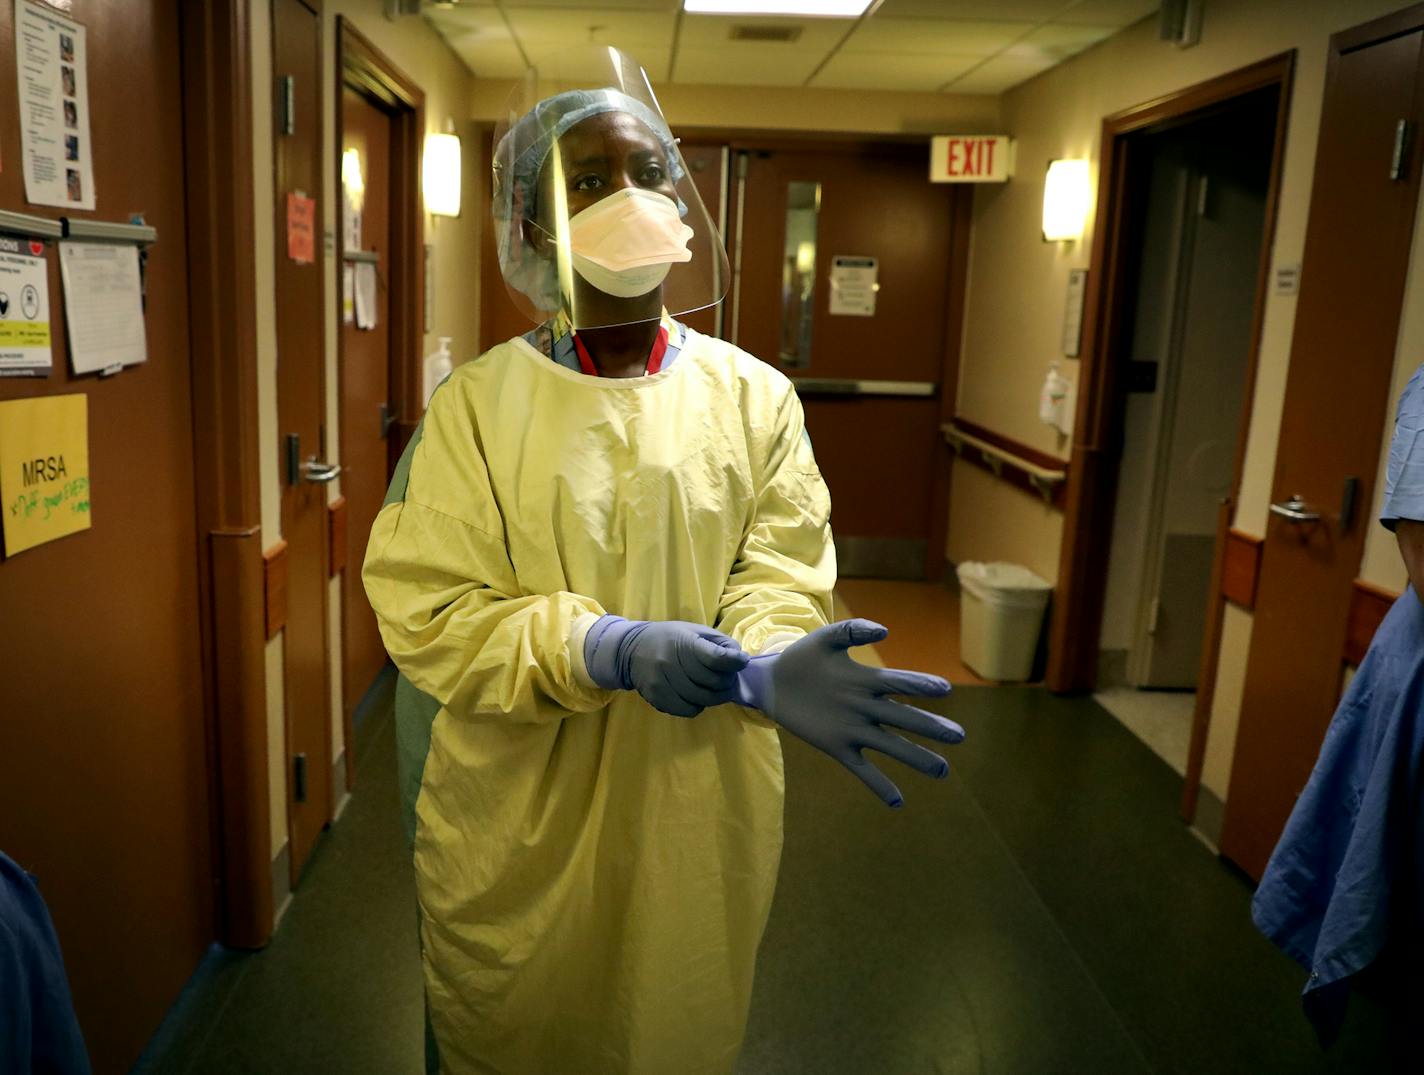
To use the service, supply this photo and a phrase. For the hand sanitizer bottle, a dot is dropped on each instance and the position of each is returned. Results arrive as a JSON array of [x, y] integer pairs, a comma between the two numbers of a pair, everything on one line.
[[438, 366]]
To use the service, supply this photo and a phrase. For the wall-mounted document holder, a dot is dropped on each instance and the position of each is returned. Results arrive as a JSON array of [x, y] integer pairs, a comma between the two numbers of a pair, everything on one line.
[[31, 227], [107, 231], [135, 232]]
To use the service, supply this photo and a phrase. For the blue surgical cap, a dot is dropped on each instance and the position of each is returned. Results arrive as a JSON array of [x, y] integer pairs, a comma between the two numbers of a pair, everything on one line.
[[519, 159]]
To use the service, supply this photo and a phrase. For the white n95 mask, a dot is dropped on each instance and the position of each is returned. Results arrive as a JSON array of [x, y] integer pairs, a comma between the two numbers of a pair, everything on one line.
[[626, 244]]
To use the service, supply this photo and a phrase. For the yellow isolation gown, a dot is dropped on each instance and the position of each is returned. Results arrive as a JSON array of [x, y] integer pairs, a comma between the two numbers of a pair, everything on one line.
[[594, 876]]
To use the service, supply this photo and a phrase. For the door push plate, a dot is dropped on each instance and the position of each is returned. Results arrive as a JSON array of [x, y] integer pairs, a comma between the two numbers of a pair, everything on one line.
[[287, 95], [293, 459], [1348, 500]]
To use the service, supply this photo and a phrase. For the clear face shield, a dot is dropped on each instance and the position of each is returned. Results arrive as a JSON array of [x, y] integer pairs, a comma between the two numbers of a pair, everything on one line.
[[595, 212]]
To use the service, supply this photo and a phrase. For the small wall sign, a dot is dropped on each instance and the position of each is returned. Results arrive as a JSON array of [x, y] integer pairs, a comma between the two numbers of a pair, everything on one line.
[[971, 158]]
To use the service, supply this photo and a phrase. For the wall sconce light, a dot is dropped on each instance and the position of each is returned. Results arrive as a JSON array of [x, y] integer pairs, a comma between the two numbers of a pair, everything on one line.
[[352, 182], [1066, 193], [440, 170]]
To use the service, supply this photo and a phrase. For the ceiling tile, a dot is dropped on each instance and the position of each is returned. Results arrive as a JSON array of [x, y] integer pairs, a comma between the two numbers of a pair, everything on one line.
[[998, 74], [642, 34], [1009, 10], [741, 67], [588, 68], [706, 52], [511, 6], [1055, 42], [962, 37], [1109, 12], [915, 73], [480, 38]]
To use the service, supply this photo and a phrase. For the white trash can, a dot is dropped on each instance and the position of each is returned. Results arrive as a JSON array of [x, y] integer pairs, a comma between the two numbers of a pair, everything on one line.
[[1000, 615]]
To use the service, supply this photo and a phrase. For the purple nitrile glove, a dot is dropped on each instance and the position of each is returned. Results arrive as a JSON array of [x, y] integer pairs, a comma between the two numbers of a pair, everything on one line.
[[679, 668], [817, 693]]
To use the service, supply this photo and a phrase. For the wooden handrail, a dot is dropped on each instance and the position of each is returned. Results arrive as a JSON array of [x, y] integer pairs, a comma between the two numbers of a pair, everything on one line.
[[1044, 479]]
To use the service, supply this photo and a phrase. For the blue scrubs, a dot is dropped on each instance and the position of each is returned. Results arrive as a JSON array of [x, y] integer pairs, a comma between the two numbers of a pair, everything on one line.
[[38, 1030], [1345, 885], [1404, 479]]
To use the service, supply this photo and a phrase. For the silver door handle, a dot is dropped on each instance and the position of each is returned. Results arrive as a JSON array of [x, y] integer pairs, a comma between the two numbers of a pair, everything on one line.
[[316, 471], [1295, 510]]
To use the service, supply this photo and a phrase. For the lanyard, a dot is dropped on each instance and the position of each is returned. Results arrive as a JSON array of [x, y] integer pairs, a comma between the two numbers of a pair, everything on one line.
[[655, 359]]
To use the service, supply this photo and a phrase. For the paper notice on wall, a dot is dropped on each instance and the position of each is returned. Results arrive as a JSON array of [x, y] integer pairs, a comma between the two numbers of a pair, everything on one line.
[[301, 228], [44, 469], [58, 156], [854, 285], [103, 305], [25, 342], [348, 294], [366, 294]]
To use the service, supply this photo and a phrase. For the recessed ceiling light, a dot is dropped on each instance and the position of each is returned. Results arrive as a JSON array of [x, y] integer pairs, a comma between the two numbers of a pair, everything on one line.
[[833, 9]]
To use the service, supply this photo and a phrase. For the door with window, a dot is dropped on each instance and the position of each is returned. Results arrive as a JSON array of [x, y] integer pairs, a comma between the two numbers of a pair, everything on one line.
[[301, 419], [1362, 213], [840, 266], [366, 134]]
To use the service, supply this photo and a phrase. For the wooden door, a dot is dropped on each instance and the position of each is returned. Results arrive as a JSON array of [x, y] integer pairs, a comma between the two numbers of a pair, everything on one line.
[[707, 166], [301, 394], [366, 141], [1342, 354], [103, 741], [871, 387]]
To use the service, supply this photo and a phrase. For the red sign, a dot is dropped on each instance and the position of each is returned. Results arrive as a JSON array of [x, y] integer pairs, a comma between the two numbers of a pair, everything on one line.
[[970, 158], [301, 228]]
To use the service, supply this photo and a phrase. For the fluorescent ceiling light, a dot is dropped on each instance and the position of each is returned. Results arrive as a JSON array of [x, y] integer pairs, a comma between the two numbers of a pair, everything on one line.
[[835, 9]]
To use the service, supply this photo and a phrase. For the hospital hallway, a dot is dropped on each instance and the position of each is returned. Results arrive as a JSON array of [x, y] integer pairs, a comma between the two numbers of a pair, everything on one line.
[[486, 385], [1041, 910]]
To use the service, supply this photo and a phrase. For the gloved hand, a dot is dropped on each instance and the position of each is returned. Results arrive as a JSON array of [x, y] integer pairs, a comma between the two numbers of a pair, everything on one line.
[[817, 693], [680, 668]]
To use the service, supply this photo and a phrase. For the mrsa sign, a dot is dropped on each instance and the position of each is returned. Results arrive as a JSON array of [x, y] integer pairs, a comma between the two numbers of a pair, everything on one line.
[[971, 158]]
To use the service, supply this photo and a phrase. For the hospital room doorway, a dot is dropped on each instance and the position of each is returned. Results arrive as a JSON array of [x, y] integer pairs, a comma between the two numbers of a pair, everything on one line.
[[847, 268], [1200, 216], [380, 127]]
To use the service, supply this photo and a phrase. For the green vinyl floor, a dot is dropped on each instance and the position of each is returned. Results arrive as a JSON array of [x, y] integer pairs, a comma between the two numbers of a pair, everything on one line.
[[1041, 910]]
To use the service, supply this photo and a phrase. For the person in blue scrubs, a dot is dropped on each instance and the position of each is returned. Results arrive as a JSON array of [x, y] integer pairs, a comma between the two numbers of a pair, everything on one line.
[[1344, 890], [39, 1034]]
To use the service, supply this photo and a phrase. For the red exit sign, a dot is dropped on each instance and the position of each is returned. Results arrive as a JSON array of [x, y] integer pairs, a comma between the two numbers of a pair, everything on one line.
[[971, 158]]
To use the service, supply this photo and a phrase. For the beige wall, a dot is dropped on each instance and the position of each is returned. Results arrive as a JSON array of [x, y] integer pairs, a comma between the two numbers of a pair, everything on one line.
[[1019, 518], [414, 48], [794, 109], [1016, 282]]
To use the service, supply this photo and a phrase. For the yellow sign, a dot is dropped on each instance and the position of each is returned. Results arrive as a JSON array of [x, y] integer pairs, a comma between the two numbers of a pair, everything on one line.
[[44, 469]]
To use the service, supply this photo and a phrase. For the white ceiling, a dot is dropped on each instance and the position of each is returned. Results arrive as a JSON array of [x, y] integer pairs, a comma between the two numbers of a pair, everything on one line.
[[925, 46]]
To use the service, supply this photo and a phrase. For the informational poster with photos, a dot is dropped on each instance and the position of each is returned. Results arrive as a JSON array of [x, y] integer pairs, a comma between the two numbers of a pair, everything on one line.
[[58, 155]]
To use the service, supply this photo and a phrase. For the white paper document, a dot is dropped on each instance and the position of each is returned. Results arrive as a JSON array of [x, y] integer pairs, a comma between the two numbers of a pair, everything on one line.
[[348, 294], [103, 302], [365, 294], [24, 309], [854, 283], [58, 156]]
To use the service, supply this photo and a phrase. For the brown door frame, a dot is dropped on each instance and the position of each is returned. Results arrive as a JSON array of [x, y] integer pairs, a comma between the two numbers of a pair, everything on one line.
[[1092, 474], [362, 67], [298, 861], [217, 120]]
